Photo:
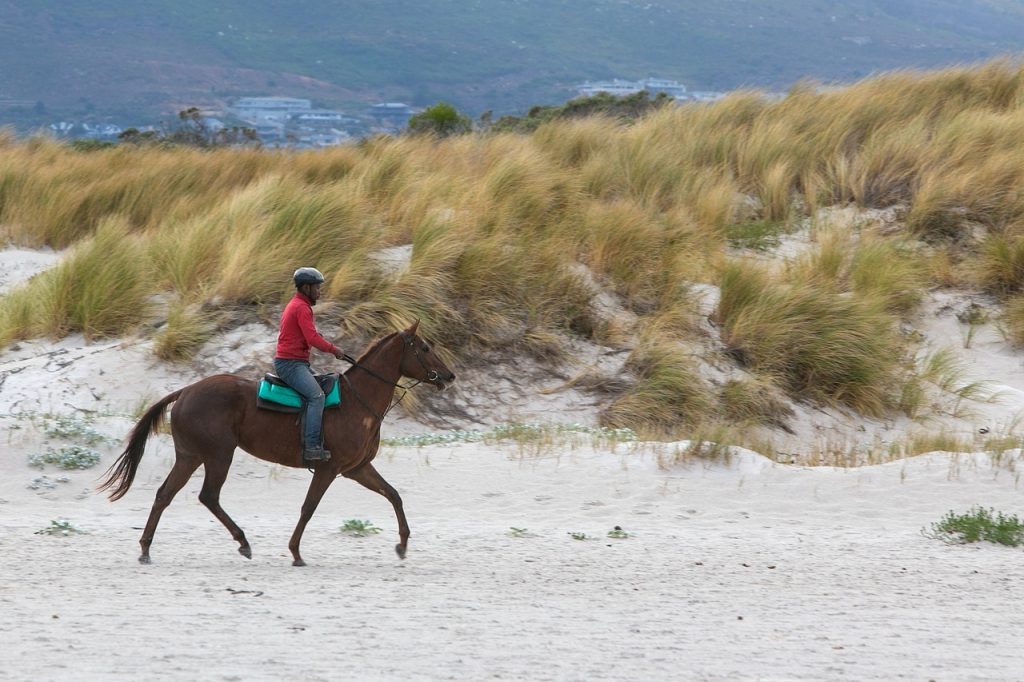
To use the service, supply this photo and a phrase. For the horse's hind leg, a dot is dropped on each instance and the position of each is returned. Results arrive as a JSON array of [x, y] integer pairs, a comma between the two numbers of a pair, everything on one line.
[[368, 477], [175, 481], [216, 473]]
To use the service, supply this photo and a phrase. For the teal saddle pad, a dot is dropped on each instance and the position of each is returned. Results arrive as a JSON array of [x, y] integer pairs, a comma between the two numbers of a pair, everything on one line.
[[274, 394]]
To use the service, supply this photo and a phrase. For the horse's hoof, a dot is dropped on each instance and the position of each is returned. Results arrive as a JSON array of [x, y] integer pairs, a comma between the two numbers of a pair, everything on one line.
[[400, 550], [245, 551], [298, 562], [144, 559]]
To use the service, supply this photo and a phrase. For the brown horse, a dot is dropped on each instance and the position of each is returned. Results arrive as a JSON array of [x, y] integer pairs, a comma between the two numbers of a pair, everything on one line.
[[213, 416]]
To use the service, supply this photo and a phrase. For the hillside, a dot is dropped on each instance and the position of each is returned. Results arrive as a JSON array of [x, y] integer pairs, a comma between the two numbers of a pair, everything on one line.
[[109, 58]]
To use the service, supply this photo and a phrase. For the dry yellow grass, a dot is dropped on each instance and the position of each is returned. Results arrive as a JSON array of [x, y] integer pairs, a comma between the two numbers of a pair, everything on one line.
[[500, 224]]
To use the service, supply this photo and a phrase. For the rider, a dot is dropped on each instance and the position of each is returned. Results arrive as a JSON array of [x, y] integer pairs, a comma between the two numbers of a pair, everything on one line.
[[298, 333]]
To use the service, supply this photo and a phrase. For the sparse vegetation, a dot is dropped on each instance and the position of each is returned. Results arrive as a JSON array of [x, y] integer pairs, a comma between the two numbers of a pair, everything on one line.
[[359, 528], [61, 527], [68, 457], [74, 427], [978, 524], [521, 433]]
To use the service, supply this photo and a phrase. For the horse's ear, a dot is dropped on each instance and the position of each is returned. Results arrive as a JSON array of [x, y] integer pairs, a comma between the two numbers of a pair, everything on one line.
[[412, 329]]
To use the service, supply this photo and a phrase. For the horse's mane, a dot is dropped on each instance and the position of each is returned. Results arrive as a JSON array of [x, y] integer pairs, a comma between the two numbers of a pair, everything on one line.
[[374, 345]]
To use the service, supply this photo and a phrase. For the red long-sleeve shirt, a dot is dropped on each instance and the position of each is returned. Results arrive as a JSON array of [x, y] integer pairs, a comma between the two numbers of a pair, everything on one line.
[[298, 332]]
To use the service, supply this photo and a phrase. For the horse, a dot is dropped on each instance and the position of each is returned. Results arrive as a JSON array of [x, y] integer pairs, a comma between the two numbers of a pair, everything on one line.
[[215, 415]]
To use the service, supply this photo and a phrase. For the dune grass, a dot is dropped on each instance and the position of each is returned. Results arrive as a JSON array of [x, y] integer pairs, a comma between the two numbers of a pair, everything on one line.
[[820, 343], [100, 289], [500, 225], [669, 393]]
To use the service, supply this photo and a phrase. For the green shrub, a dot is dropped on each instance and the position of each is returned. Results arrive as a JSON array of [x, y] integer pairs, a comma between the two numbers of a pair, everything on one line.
[[976, 525], [442, 120]]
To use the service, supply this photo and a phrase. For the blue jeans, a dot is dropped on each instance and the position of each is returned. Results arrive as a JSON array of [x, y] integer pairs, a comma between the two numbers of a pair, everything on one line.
[[298, 375]]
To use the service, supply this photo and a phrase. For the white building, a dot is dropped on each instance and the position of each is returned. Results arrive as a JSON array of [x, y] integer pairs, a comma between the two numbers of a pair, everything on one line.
[[622, 88], [318, 116], [264, 109]]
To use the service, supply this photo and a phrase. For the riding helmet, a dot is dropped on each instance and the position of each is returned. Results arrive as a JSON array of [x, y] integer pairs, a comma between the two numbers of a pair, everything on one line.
[[307, 276]]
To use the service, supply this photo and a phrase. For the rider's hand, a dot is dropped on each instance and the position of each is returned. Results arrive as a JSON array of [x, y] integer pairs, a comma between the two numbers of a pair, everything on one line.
[[339, 353]]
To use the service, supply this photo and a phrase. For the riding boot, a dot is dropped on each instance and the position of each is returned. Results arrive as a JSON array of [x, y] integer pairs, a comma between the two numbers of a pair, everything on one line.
[[315, 454]]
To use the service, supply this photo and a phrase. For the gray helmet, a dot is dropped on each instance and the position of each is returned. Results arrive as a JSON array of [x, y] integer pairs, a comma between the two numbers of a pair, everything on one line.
[[307, 276]]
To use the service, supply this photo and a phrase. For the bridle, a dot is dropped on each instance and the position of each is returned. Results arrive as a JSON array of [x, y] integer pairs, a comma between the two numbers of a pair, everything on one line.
[[410, 342]]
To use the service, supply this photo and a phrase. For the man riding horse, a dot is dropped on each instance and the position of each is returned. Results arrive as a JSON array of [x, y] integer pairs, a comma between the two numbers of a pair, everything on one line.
[[291, 363]]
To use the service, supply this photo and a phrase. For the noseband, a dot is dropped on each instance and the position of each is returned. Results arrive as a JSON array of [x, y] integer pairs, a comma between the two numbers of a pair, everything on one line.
[[410, 342]]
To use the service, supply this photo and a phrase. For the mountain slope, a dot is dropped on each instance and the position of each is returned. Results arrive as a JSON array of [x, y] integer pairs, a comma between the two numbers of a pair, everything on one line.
[[504, 55]]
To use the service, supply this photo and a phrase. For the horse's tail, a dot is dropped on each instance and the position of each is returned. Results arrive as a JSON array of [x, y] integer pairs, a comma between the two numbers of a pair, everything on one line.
[[121, 473]]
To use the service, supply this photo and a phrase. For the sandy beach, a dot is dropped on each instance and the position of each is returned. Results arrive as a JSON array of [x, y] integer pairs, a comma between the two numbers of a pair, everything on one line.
[[739, 568]]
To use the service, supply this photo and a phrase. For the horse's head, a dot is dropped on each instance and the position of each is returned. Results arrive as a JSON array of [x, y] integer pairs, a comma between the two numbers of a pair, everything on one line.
[[421, 363]]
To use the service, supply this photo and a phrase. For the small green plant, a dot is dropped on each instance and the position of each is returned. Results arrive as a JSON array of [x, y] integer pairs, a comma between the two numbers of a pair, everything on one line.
[[617, 533], [69, 457], [578, 535], [518, 532], [976, 525], [60, 527], [359, 529]]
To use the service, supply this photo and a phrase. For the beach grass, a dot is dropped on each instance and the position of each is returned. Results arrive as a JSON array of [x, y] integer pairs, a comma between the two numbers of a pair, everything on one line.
[[513, 236]]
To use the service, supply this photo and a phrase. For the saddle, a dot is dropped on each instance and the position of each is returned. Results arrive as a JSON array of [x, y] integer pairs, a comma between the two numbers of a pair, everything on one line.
[[275, 395]]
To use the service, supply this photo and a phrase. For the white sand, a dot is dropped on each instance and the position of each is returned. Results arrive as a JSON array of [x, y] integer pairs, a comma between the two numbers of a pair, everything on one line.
[[750, 570], [745, 570]]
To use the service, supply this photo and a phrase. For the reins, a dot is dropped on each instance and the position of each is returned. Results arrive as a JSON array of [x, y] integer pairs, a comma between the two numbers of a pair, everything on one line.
[[378, 417]]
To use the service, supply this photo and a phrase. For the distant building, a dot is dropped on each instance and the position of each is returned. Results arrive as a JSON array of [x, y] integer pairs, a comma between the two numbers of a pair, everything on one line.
[[392, 115], [622, 88], [270, 132], [318, 116], [264, 109], [670, 88]]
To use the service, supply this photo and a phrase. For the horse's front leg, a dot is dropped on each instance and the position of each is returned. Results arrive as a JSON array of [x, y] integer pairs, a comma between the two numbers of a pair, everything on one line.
[[368, 477], [317, 487]]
